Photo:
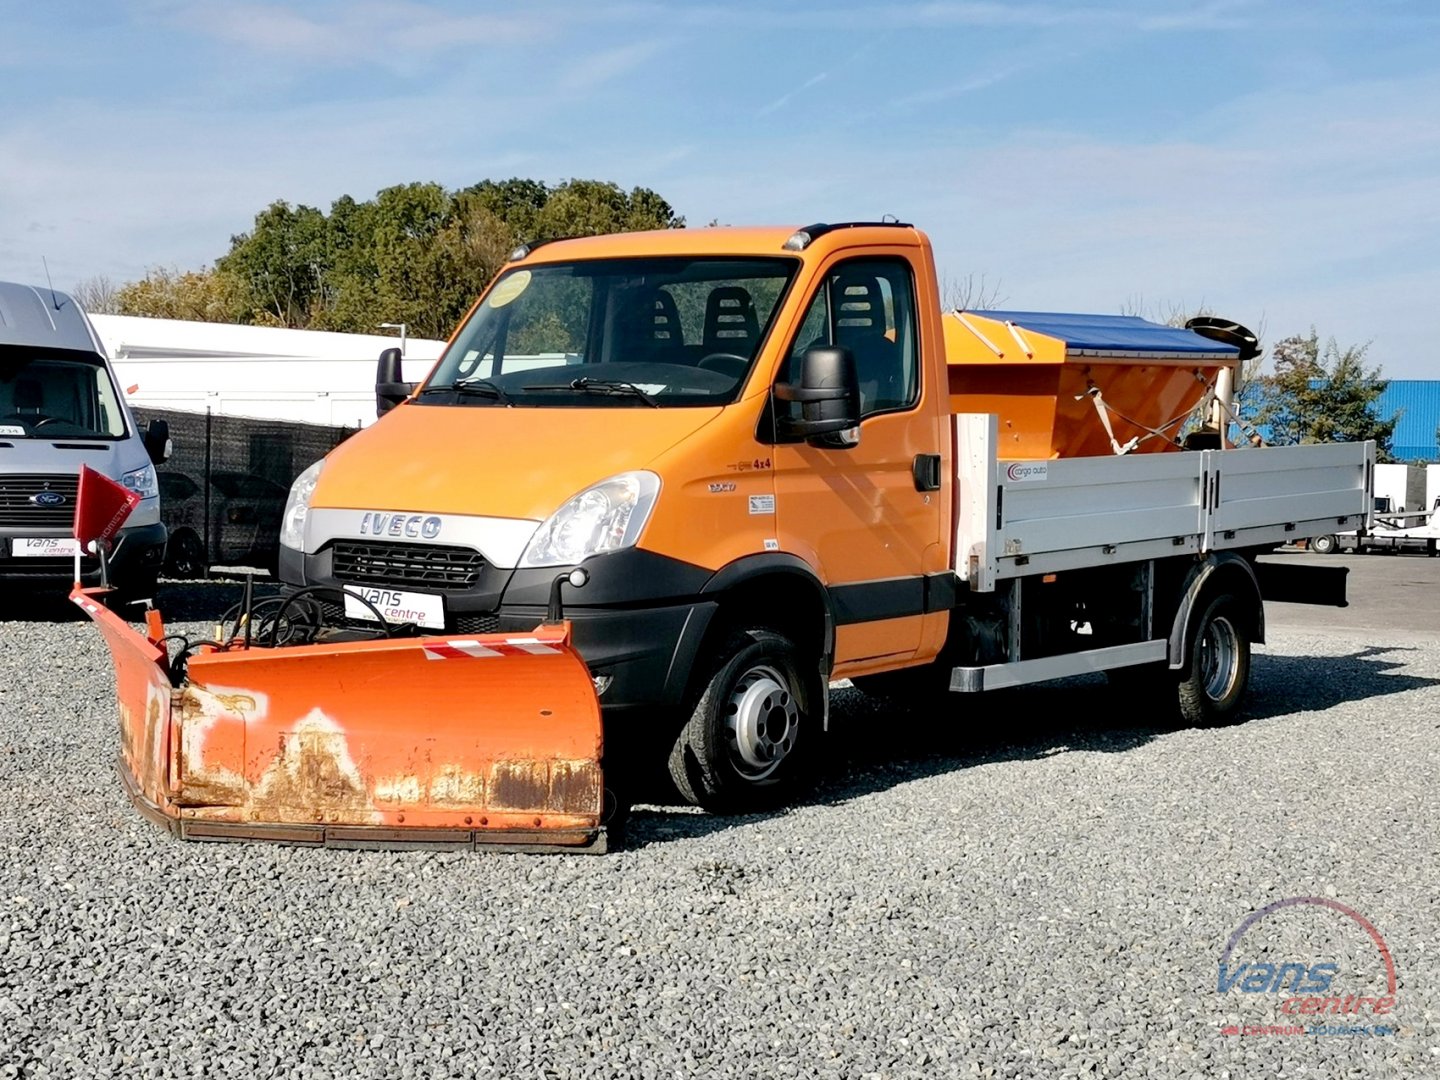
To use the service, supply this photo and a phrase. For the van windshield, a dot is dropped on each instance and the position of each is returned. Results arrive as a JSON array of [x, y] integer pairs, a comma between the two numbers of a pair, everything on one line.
[[57, 393], [614, 332]]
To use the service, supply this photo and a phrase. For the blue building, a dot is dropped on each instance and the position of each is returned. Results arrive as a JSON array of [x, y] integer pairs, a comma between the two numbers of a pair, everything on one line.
[[1418, 402]]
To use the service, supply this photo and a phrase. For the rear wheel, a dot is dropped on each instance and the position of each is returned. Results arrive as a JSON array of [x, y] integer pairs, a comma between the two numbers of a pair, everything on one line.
[[1219, 664], [1323, 545], [748, 739]]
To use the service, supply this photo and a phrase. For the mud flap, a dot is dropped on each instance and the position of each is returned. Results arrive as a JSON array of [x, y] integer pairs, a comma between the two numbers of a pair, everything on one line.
[[453, 742]]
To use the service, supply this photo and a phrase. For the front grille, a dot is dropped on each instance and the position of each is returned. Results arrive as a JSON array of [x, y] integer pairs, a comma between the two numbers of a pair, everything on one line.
[[403, 566], [476, 624], [18, 512]]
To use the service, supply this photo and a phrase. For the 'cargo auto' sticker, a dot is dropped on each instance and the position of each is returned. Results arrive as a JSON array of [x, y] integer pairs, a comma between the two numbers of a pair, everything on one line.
[[762, 504]]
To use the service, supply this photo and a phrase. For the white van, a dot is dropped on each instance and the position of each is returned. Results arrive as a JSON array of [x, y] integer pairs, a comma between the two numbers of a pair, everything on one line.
[[60, 408]]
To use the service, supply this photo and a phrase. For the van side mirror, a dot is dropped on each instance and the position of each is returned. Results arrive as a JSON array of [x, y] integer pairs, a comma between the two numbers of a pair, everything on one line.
[[829, 395], [390, 387], [157, 441]]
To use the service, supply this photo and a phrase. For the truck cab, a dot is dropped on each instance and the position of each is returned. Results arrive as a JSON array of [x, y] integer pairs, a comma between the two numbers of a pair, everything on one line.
[[609, 402], [60, 408]]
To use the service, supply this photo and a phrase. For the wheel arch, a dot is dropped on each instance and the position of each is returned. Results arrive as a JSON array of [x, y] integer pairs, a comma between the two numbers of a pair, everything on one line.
[[1220, 572], [773, 590]]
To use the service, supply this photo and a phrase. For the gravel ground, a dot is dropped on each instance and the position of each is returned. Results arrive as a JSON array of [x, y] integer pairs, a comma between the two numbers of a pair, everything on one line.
[[1041, 886]]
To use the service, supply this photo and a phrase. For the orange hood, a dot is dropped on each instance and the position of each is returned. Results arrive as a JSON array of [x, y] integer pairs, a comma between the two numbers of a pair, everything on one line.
[[495, 461]]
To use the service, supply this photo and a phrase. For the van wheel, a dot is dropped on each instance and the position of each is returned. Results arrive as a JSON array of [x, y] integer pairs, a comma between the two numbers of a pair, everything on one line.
[[746, 743], [1219, 664], [185, 555], [1323, 545]]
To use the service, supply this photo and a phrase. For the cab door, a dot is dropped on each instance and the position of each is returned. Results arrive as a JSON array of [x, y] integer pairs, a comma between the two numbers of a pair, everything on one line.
[[857, 514]]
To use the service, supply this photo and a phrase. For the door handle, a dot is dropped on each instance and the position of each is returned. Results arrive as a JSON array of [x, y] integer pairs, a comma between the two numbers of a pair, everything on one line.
[[926, 471]]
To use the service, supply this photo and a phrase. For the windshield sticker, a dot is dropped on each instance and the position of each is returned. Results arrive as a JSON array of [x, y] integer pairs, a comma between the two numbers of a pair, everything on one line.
[[652, 387], [509, 289], [11, 429]]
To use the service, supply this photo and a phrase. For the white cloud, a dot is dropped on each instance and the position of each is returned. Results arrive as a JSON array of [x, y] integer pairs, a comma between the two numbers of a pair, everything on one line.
[[335, 32], [589, 72], [785, 99]]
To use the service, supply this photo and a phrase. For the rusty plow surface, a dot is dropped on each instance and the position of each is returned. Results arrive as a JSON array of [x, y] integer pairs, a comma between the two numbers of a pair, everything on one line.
[[491, 740]]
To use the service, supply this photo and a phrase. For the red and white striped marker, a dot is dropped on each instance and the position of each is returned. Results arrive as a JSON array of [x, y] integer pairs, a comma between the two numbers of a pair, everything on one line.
[[517, 646]]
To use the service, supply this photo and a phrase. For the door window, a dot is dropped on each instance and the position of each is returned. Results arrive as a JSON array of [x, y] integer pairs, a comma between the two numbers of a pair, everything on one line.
[[868, 307]]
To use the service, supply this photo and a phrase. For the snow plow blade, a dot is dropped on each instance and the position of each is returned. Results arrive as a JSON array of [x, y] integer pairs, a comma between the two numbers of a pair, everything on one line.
[[483, 741]]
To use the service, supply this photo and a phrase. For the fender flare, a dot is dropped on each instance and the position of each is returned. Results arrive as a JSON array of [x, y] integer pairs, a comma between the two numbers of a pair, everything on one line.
[[730, 576], [1218, 568]]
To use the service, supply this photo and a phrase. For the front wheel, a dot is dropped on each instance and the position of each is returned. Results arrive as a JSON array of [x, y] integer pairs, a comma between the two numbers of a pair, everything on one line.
[[750, 734], [1219, 664], [1323, 545]]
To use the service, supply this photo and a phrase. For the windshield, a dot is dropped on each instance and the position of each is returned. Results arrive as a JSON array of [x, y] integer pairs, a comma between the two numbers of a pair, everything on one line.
[[56, 393], [614, 332]]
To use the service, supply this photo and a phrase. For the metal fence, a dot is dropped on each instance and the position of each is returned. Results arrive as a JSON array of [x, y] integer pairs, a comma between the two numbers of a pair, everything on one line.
[[223, 490]]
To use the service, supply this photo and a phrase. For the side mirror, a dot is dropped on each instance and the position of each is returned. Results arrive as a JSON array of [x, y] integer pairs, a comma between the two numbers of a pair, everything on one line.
[[157, 441], [390, 387], [829, 397]]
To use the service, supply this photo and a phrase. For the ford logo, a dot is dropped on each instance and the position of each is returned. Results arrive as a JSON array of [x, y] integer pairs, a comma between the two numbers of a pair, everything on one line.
[[48, 498]]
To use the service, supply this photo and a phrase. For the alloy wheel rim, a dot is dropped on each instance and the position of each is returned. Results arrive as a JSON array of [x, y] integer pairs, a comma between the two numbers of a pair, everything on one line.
[[762, 722], [1219, 658]]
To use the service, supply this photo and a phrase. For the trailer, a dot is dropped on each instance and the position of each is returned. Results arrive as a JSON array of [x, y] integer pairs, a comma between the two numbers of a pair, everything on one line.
[[1388, 530], [663, 489], [257, 372]]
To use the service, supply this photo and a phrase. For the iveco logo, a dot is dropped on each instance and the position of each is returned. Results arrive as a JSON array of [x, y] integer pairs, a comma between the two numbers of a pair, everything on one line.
[[412, 525], [48, 498]]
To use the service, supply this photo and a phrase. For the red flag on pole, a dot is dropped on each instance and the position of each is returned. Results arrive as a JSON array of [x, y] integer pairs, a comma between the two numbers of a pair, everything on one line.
[[101, 506]]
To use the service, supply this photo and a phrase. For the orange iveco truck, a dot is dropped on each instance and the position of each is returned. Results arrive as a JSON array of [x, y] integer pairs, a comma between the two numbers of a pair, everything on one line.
[[748, 462], [663, 489]]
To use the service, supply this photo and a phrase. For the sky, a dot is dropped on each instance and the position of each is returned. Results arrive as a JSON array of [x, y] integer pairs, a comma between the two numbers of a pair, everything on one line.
[[1276, 162]]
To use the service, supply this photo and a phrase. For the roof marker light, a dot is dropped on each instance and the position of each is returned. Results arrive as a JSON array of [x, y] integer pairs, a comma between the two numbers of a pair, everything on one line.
[[519, 253], [798, 241]]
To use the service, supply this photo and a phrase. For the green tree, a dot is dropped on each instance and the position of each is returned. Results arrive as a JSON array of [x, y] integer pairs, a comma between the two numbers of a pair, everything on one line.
[[282, 262], [415, 253], [199, 295], [1321, 394]]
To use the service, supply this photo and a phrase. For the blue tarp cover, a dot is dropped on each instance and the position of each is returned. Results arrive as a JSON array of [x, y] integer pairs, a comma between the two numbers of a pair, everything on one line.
[[1111, 333]]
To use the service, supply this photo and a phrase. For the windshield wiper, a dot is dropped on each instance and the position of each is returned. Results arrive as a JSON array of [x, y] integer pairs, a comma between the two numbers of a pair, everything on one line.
[[612, 387], [478, 387]]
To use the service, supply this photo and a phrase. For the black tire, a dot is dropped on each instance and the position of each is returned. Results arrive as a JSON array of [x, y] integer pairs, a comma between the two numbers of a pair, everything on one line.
[[1219, 669], [185, 556], [748, 740], [1324, 545]]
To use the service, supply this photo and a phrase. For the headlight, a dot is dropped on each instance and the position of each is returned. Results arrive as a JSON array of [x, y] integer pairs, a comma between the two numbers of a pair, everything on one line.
[[607, 516], [142, 482], [297, 506]]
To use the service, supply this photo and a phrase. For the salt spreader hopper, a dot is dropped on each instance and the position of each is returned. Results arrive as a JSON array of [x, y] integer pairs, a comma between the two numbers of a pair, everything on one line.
[[1090, 385]]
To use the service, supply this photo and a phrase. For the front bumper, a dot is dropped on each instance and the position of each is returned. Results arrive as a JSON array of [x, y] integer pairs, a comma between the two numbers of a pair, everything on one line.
[[138, 552], [638, 622]]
